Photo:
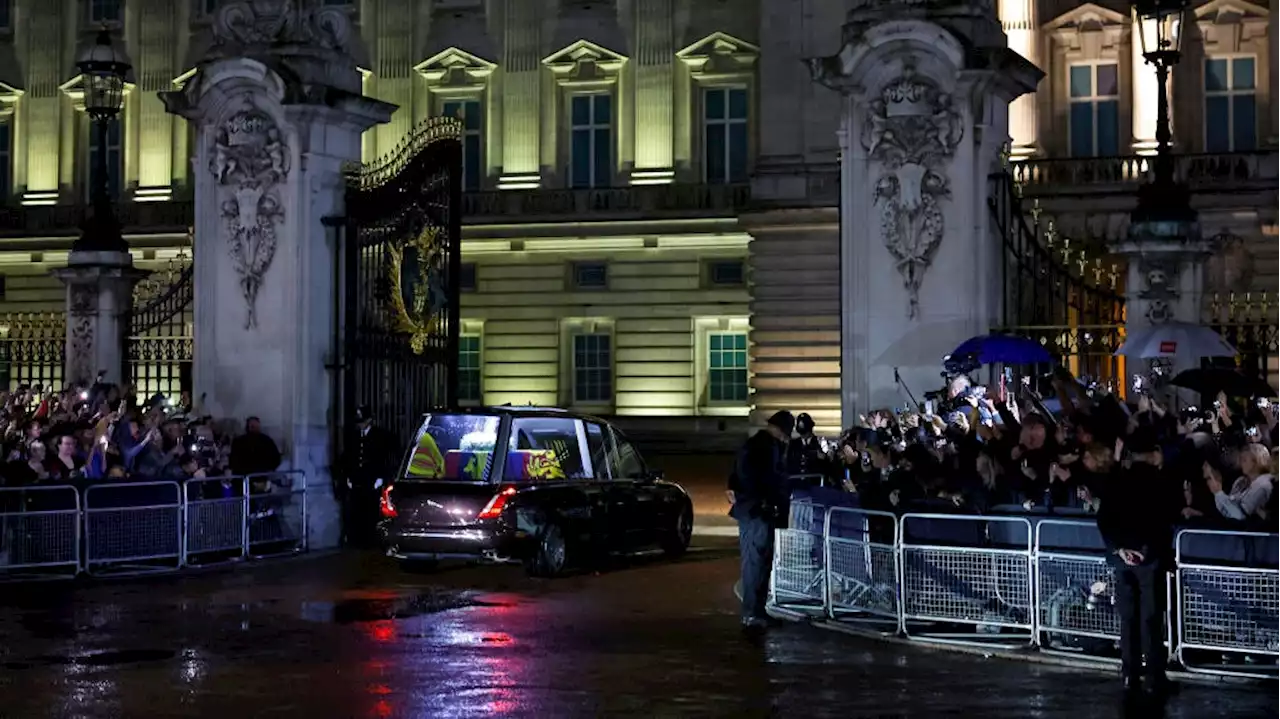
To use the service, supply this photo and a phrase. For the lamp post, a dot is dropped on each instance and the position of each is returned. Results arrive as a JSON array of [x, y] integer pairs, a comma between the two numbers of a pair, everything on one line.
[[1164, 205], [103, 69]]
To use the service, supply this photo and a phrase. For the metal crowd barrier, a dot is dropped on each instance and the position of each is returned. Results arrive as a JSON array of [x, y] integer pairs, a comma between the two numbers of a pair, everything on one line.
[[39, 532], [966, 570], [1025, 581], [142, 527], [133, 528], [1228, 595]]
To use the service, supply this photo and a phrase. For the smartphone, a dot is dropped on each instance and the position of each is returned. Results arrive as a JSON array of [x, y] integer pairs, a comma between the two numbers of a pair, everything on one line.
[[1263, 402], [928, 408]]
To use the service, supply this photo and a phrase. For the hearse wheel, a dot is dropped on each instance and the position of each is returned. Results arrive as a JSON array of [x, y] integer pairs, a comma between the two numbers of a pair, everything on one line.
[[549, 556], [676, 540]]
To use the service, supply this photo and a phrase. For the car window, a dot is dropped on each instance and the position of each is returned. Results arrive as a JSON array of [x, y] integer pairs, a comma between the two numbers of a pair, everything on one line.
[[546, 449], [627, 461], [453, 448], [598, 447]]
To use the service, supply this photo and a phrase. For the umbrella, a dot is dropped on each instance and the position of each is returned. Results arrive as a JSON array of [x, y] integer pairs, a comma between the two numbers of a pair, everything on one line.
[[1228, 381], [1174, 339], [1007, 349]]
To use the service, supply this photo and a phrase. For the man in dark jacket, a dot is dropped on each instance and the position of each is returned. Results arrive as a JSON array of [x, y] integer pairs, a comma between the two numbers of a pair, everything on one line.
[[1139, 508], [368, 463], [760, 494]]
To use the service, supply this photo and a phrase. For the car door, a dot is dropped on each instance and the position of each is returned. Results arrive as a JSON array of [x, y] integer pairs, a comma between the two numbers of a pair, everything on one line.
[[614, 526], [643, 501]]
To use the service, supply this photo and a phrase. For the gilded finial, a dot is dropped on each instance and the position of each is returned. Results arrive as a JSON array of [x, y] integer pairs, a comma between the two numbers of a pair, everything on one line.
[[1114, 275], [1036, 211]]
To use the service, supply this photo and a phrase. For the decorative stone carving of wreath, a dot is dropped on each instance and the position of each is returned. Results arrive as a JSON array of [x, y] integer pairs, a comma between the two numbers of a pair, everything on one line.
[[416, 297]]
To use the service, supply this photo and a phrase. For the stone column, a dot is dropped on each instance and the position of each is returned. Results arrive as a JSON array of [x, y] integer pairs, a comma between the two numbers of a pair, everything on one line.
[[1018, 18], [99, 300], [925, 118], [655, 87], [1273, 74], [278, 107]]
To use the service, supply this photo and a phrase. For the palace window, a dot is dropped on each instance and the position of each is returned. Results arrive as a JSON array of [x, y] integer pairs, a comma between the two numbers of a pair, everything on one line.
[[590, 276], [726, 273], [469, 366], [724, 129], [1230, 104], [6, 160], [469, 112], [590, 139], [115, 159], [727, 367], [101, 11], [592, 368], [6, 14], [1095, 110]]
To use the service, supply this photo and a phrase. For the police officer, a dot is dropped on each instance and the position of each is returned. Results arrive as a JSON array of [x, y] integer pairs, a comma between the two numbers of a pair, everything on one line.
[[760, 492], [808, 454], [1136, 520], [369, 456]]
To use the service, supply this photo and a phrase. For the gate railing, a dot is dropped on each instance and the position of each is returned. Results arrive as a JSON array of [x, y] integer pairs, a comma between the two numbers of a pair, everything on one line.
[[1027, 582], [143, 527]]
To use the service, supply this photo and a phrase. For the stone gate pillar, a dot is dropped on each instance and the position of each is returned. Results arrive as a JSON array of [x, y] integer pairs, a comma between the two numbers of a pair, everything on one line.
[[278, 110], [926, 90], [99, 300]]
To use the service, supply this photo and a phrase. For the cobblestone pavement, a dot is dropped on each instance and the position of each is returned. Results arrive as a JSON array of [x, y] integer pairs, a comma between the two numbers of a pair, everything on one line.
[[352, 636]]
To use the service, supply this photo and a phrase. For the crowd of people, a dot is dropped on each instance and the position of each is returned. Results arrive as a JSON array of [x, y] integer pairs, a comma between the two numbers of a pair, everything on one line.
[[1138, 465], [105, 433]]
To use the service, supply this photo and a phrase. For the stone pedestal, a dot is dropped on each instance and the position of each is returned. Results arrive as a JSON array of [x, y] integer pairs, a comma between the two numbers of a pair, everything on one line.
[[278, 111], [926, 101], [99, 300]]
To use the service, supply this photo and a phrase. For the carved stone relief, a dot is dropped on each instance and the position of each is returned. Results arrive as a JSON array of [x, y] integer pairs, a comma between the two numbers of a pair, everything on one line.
[[280, 22], [912, 129], [249, 160], [82, 313]]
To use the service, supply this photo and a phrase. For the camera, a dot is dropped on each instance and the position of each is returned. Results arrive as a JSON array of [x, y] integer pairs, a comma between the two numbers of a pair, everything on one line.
[[1138, 383], [1263, 403]]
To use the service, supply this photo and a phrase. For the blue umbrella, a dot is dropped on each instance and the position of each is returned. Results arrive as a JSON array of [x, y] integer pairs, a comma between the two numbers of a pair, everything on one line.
[[1006, 349]]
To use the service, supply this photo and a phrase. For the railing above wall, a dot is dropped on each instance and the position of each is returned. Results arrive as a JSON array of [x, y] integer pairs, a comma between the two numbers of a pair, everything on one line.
[[1122, 174], [174, 216], [614, 202]]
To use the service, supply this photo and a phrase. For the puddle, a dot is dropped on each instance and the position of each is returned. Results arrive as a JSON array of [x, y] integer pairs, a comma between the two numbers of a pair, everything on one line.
[[377, 609], [94, 659]]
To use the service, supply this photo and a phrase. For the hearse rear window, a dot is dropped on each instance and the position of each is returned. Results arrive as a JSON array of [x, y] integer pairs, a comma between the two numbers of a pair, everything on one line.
[[454, 448], [549, 448]]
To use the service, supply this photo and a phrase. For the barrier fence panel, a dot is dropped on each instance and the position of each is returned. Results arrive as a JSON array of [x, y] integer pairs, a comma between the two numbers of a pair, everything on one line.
[[215, 519], [133, 527], [39, 532], [796, 581], [277, 513], [1075, 589], [862, 568], [962, 570], [1228, 595]]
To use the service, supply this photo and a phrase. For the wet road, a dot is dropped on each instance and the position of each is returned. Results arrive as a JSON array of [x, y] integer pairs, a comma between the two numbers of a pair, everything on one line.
[[350, 636]]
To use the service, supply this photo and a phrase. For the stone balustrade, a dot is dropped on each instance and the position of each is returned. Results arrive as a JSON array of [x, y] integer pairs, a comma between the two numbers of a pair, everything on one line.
[[1223, 171], [135, 217], [635, 201]]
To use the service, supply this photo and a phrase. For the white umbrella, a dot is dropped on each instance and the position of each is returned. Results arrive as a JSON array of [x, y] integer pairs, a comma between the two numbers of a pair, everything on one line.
[[1174, 339]]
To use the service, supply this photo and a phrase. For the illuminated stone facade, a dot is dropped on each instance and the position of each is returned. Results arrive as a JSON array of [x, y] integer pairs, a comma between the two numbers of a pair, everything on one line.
[[652, 184]]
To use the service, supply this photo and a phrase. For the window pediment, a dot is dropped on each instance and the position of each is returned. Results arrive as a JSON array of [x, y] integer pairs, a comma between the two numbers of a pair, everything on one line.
[[585, 63], [455, 67], [719, 54], [1230, 12], [1089, 28], [9, 96]]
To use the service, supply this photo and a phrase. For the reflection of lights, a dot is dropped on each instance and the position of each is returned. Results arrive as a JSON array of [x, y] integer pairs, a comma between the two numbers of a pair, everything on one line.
[[381, 690], [382, 631], [383, 709], [194, 667]]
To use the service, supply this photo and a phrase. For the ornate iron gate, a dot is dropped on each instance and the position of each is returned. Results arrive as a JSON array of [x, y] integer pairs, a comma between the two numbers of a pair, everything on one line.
[[1052, 292], [397, 264], [161, 344]]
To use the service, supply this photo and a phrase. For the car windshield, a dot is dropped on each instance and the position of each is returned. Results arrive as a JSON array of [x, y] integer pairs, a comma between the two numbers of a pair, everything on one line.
[[453, 448]]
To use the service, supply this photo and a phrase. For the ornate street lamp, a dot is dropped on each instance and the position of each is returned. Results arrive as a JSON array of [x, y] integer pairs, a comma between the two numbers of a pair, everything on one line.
[[1164, 206], [103, 69]]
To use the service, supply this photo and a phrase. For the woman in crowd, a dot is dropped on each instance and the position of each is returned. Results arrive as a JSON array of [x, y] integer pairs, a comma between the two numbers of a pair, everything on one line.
[[1250, 495]]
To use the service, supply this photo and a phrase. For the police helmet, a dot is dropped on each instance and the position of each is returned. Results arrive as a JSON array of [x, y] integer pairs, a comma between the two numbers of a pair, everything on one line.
[[804, 423]]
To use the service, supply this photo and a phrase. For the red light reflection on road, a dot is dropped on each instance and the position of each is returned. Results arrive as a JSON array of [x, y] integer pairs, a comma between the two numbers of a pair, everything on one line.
[[382, 631]]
